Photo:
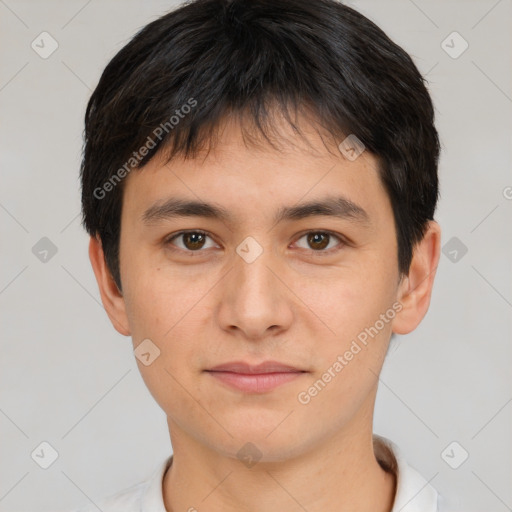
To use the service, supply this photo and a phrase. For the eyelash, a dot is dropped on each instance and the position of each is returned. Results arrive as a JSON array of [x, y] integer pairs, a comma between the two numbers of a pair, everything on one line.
[[322, 252]]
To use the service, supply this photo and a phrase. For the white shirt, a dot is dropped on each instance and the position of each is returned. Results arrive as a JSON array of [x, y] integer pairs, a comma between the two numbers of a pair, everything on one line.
[[413, 492]]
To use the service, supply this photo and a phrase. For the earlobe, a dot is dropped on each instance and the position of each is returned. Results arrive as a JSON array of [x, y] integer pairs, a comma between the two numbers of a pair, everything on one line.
[[111, 297], [415, 289]]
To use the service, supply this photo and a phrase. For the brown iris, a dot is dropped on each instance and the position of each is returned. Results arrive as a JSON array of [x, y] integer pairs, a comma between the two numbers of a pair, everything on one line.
[[193, 241], [318, 240]]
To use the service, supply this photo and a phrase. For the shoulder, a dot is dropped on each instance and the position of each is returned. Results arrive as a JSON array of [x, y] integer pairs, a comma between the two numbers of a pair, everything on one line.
[[127, 500], [413, 492], [143, 496]]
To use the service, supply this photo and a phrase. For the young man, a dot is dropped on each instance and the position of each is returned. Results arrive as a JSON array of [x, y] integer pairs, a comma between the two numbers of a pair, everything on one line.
[[259, 183]]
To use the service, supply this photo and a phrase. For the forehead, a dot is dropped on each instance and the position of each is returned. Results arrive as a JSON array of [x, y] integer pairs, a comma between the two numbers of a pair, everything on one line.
[[241, 173]]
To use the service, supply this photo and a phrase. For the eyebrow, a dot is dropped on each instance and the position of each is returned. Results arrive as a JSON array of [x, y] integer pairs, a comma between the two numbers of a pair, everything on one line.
[[332, 206]]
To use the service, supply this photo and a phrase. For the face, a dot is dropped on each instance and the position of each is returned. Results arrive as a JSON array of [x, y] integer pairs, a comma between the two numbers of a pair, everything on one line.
[[256, 275]]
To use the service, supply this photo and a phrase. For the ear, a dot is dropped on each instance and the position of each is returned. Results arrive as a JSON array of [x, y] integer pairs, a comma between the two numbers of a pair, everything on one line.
[[415, 289], [112, 298]]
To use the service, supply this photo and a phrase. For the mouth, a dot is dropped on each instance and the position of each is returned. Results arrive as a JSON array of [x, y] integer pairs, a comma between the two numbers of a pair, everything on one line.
[[259, 378]]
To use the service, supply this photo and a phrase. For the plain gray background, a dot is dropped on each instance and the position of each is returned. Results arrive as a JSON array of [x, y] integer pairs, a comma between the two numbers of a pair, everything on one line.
[[68, 378]]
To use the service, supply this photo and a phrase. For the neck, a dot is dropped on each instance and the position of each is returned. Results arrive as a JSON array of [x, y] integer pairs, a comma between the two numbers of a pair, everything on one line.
[[341, 474]]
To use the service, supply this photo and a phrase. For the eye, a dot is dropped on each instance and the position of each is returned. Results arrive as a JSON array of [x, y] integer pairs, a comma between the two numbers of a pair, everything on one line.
[[194, 241], [191, 241], [318, 241]]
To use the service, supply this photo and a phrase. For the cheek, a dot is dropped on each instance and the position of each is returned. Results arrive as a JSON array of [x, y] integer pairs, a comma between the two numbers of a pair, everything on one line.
[[351, 358], [163, 315], [145, 307], [352, 349], [155, 299], [346, 301], [169, 310]]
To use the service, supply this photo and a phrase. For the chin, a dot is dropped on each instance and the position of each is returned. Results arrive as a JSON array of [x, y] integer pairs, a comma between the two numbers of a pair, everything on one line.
[[271, 442]]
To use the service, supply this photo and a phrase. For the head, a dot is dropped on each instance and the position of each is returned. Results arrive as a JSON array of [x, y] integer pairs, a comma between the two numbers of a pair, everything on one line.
[[230, 121]]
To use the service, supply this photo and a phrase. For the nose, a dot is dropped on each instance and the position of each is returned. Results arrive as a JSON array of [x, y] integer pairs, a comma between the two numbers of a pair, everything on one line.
[[254, 301]]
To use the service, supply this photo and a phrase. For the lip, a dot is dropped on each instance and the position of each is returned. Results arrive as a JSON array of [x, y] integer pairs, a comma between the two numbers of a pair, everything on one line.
[[257, 369], [259, 378]]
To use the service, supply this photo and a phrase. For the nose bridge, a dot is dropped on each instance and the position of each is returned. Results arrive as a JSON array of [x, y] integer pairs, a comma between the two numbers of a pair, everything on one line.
[[252, 299], [254, 278], [251, 262]]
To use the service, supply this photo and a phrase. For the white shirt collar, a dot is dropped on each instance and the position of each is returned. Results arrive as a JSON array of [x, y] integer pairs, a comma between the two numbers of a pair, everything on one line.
[[413, 492]]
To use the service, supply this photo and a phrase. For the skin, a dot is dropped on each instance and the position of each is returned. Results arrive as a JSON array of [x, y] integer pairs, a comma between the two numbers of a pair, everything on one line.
[[292, 304]]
